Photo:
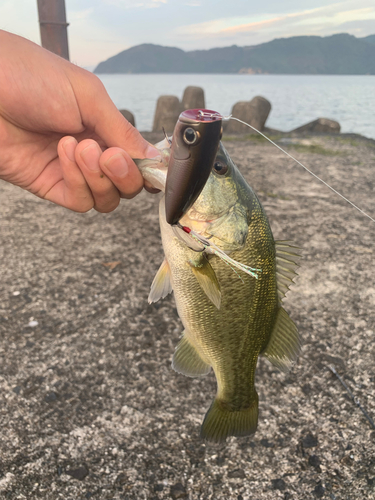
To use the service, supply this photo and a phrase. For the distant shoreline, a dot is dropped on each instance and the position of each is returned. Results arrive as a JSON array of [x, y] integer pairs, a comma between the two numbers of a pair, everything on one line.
[[295, 99], [340, 54]]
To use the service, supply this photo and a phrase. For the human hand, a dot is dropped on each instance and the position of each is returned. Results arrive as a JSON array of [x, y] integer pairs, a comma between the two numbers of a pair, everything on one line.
[[61, 136]]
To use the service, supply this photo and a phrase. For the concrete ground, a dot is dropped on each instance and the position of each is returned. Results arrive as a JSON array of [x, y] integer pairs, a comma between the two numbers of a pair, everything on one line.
[[89, 405]]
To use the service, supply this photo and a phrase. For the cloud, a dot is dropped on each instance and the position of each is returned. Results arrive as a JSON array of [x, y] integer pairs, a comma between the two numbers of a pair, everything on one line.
[[80, 14], [255, 26], [314, 20], [101, 28], [131, 4], [21, 18], [360, 28]]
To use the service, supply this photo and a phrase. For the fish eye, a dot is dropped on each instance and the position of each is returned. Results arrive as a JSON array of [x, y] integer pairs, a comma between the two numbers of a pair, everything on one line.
[[220, 167], [190, 136]]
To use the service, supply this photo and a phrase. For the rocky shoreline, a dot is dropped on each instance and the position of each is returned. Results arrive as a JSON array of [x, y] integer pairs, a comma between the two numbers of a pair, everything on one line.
[[246, 117], [90, 407]]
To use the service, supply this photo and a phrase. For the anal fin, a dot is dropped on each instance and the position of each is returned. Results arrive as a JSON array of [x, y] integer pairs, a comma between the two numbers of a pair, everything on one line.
[[161, 285], [186, 360], [284, 344]]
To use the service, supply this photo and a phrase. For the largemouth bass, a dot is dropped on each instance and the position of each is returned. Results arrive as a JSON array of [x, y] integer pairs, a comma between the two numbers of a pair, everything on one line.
[[229, 317]]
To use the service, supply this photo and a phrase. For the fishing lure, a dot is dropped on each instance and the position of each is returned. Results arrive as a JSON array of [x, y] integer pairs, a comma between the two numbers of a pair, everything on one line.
[[186, 179], [194, 146], [195, 142]]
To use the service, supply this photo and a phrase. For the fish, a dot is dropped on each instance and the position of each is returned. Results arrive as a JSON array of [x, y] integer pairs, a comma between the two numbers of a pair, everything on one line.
[[230, 316]]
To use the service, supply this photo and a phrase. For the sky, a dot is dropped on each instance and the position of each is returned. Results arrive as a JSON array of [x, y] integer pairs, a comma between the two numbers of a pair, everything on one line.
[[99, 29]]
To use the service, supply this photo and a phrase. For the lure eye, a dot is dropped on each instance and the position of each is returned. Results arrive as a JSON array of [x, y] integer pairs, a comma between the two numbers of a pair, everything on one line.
[[190, 136], [220, 168]]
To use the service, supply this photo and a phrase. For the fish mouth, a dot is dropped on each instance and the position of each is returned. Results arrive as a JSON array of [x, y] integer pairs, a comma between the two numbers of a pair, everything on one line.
[[196, 216]]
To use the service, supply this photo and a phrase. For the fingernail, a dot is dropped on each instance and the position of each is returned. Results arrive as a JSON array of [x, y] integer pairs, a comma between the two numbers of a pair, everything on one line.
[[152, 152], [90, 156], [117, 165], [70, 147]]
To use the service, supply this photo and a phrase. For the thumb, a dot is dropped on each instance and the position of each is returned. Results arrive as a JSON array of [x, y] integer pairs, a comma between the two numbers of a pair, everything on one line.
[[100, 114]]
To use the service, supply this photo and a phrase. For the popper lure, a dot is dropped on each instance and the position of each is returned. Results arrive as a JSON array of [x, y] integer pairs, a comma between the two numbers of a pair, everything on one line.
[[195, 142]]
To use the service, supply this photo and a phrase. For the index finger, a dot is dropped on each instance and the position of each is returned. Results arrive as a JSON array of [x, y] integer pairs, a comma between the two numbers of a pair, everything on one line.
[[101, 115]]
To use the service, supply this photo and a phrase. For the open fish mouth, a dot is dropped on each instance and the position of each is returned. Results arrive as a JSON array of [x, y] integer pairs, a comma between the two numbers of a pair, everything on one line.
[[196, 216]]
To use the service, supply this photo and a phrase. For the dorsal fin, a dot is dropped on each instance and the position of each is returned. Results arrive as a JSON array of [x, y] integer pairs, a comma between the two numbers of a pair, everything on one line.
[[161, 285], [287, 261], [284, 344]]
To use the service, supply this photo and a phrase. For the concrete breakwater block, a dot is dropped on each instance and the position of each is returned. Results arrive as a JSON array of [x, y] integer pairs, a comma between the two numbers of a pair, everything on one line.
[[128, 115], [319, 126], [254, 112], [193, 98], [167, 112]]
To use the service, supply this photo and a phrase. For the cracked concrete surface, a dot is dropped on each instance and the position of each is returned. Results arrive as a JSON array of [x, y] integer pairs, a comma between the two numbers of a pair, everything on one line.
[[90, 407]]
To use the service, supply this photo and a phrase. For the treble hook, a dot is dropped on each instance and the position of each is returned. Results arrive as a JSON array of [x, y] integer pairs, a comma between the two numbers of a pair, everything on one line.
[[166, 136]]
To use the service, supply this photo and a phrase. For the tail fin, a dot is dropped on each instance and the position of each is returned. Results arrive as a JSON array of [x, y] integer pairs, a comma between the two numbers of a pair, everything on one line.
[[220, 423]]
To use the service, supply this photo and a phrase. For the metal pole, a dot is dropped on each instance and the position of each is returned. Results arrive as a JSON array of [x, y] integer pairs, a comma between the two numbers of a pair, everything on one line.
[[52, 21]]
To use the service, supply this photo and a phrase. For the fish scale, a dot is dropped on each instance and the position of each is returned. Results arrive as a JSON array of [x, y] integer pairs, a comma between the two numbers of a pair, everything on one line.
[[243, 322], [229, 316]]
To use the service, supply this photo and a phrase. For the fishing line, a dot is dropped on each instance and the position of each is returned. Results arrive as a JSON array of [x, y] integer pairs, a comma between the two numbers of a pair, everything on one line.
[[353, 398], [227, 118], [330, 367]]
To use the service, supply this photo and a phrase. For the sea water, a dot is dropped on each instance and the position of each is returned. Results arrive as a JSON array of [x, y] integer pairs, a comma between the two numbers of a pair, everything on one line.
[[295, 99]]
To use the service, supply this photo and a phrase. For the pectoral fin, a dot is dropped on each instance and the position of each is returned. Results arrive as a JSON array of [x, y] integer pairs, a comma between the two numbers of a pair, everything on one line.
[[207, 279], [187, 361], [284, 344], [161, 285]]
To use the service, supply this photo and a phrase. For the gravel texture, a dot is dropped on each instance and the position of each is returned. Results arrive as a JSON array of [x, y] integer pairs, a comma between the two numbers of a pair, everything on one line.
[[89, 405]]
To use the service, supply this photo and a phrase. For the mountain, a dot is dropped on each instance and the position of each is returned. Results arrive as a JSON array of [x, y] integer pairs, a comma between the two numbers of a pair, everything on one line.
[[147, 58], [369, 39], [340, 54]]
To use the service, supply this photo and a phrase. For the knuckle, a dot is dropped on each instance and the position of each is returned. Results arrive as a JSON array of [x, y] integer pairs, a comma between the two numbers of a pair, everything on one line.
[[96, 82], [85, 143], [103, 191], [108, 207], [83, 206], [107, 203], [132, 193]]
